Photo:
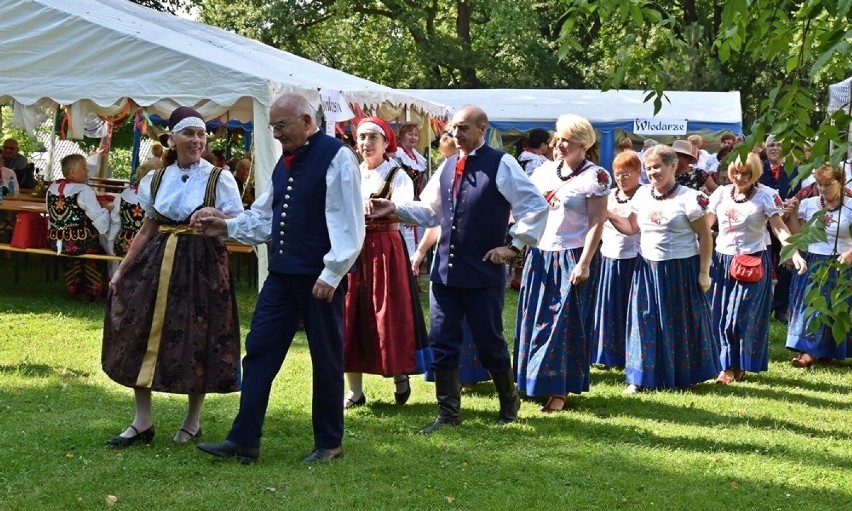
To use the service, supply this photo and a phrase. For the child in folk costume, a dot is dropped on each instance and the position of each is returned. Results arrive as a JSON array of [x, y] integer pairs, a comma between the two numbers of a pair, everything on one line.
[[76, 223]]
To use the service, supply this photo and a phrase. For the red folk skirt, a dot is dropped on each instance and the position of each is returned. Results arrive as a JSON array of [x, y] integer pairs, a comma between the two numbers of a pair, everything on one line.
[[383, 330]]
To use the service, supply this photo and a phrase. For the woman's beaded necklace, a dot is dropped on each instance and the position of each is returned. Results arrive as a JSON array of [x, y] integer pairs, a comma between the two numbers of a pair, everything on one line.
[[625, 200], [824, 206], [746, 196], [573, 173], [665, 195]]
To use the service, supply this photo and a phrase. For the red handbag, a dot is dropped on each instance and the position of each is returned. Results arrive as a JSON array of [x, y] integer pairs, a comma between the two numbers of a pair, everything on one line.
[[30, 230], [747, 268]]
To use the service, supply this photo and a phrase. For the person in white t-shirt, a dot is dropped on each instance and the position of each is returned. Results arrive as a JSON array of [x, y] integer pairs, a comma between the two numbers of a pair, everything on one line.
[[741, 309], [670, 342], [560, 275], [834, 207]]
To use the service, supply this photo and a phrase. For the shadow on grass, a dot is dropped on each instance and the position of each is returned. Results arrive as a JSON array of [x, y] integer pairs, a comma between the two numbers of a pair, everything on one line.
[[28, 369]]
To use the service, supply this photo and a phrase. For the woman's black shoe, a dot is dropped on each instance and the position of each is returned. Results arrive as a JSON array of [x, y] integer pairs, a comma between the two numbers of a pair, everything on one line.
[[146, 437], [402, 397], [352, 403]]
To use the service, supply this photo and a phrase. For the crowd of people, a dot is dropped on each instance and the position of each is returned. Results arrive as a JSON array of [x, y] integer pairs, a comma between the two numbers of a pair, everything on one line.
[[660, 267]]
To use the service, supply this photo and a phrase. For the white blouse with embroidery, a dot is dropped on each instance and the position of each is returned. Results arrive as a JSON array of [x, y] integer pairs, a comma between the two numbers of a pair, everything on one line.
[[742, 226], [809, 207], [666, 225], [567, 217]]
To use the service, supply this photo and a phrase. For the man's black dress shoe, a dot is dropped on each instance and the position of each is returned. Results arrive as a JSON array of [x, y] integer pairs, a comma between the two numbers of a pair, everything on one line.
[[146, 437], [323, 455], [228, 449]]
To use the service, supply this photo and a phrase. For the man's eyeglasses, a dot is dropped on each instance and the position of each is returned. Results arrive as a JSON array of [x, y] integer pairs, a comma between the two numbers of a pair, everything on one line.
[[279, 127], [626, 175]]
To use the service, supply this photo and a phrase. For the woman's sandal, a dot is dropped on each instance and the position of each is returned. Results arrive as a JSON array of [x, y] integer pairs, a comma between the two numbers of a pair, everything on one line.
[[803, 360], [724, 379], [183, 436], [739, 374], [551, 401]]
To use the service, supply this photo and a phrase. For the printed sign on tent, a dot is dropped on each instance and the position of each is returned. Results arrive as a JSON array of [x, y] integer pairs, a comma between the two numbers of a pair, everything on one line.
[[659, 127], [334, 107]]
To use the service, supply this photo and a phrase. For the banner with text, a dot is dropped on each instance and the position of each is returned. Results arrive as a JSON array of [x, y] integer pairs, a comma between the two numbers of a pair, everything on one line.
[[659, 127]]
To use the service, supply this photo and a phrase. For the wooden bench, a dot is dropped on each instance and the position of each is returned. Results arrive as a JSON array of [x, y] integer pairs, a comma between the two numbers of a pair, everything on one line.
[[235, 248]]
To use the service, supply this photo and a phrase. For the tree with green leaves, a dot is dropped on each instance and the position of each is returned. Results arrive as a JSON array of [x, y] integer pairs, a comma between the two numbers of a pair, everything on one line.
[[797, 47]]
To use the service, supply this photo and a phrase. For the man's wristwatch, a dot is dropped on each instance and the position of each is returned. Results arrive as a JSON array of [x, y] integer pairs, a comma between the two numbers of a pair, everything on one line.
[[514, 249]]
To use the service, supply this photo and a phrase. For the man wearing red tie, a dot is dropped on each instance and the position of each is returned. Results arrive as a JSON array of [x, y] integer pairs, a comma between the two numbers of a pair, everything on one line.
[[775, 176], [471, 196]]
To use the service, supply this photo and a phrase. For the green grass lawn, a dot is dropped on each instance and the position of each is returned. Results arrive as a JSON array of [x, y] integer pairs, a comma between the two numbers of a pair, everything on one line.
[[779, 441]]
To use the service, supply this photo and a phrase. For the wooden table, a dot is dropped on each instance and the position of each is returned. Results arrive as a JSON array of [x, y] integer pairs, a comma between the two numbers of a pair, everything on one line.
[[19, 205]]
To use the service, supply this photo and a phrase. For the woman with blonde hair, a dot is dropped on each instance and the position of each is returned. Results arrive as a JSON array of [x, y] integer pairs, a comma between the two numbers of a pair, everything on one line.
[[741, 303], [560, 274], [834, 207]]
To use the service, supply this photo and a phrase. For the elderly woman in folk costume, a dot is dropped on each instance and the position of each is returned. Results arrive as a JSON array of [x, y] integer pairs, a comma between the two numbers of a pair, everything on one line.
[[670, 342], [384, 331], [414, 164], [834, 203], [619, 254], [171, 319]]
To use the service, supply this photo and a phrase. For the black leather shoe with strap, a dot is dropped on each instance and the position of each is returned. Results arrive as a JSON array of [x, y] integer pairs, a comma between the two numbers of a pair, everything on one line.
[[145, 437]]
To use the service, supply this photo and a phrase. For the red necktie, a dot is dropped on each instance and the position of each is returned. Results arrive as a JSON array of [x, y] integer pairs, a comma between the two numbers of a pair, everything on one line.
[[459, 170], [776, 172], [288, 161]]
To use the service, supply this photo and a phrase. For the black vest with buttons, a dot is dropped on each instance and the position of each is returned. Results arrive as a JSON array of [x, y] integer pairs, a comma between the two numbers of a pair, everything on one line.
[[299, 230], [472, 226]]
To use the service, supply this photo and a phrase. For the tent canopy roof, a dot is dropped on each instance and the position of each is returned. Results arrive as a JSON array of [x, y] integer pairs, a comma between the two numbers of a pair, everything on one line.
[[107, 50], [545, 105]]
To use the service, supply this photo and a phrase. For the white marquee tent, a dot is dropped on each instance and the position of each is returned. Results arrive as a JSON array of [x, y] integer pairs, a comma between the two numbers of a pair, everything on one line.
[[96, 55], [520, 110]]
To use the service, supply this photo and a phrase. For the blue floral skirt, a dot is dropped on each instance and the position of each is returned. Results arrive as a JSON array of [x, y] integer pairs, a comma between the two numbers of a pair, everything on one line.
[[740, 315], [819, 344], [609, 335], [553, 324], [670, 342]]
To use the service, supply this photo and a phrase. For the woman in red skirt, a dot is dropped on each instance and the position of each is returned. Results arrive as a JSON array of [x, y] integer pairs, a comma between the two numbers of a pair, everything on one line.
[[383, 331]]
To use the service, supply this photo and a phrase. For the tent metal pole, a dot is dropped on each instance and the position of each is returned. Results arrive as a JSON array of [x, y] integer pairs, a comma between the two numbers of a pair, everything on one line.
[[134, 152]]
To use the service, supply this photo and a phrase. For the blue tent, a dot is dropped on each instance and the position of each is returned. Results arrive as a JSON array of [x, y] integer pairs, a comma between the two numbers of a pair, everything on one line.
[[516, 111]]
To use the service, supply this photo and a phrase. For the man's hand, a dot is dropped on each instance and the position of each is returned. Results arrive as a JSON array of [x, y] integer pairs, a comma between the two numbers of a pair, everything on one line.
[[210, 226], [194, 220], [500, 255], [323, 291], [379, 208]]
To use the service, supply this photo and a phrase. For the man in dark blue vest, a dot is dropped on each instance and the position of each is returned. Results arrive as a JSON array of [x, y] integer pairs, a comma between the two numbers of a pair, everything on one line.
[[775, 176], [313, 218], [470, 197]]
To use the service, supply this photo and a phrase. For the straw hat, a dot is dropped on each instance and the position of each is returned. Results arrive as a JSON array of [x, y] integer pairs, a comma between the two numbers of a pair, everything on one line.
[[683, 147]]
